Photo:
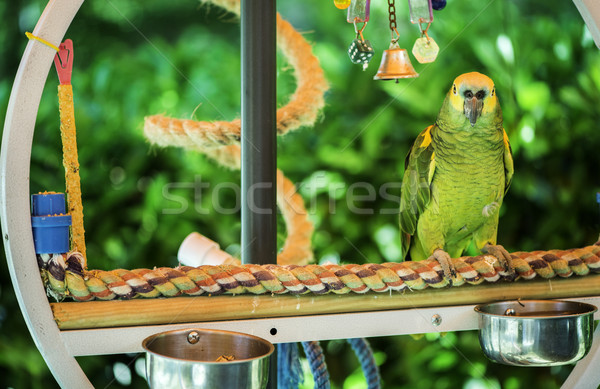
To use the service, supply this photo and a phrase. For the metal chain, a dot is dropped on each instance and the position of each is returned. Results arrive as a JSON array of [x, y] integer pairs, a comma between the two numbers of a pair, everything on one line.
[[393, 26], [392, 12]]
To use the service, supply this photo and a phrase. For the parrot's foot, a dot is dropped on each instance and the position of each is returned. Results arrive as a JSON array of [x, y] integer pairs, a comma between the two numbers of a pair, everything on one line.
[[446, 263], [503, 257]]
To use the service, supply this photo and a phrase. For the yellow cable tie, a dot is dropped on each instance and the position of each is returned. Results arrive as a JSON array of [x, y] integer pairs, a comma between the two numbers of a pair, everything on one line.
[[37, 38]]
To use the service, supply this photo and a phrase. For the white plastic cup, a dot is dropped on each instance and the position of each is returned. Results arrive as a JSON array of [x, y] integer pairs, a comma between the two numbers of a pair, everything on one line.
[[197, 250]]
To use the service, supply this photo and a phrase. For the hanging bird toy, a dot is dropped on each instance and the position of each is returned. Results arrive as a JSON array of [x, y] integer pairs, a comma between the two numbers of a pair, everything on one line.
[[360, 51], [425, 49], [395, 63]]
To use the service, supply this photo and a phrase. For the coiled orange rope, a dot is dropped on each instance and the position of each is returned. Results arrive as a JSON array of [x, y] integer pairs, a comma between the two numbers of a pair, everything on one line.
[[220, 139]]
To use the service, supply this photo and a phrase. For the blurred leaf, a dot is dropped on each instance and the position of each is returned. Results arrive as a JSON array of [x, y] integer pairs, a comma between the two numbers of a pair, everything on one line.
[[443, 361]]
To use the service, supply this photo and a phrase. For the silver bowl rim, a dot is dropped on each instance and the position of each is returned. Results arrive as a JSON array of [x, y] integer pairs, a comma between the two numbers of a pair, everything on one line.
[[591, 309], [146, 342]]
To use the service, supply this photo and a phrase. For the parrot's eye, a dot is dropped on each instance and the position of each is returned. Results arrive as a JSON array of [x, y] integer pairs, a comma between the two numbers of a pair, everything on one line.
[[468, 94], [480, 95], [454, 88]]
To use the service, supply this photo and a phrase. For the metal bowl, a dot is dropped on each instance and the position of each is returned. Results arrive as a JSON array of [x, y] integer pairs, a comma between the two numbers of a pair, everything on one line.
[[188, 359], [536, 332]]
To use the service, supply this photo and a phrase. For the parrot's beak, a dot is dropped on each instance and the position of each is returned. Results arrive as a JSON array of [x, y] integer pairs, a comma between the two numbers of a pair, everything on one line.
[[473, 107]]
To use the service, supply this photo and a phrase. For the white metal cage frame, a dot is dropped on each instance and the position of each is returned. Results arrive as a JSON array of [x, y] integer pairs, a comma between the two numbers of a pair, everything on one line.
[[59, 347]]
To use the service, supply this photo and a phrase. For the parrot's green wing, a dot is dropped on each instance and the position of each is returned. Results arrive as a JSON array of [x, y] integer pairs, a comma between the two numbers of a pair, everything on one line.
[[509, 168], [416, 185]]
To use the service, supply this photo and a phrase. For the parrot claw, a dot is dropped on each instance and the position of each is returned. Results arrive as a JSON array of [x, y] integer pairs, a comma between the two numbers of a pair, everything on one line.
[[443, 258], [503, 256]]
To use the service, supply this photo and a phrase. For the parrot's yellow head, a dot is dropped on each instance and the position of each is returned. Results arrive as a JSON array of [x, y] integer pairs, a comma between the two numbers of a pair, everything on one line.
[[474, 95]]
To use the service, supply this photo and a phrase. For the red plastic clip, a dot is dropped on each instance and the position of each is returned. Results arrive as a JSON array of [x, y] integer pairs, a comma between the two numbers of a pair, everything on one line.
[[64, 62]]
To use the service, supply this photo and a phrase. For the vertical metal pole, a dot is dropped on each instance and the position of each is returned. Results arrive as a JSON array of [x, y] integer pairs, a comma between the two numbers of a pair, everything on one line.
[[259, 143], [259, 153]]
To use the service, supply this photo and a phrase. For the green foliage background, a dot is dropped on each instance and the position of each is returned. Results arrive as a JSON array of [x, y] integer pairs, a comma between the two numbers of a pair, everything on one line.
[[134, 58]]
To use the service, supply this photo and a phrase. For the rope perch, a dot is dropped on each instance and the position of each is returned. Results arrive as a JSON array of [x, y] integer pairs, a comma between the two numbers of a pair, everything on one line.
[[65, 277]]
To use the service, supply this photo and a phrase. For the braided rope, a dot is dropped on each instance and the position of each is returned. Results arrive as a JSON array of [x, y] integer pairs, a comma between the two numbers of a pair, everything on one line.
[[289, 369], [64, 276], [363, 352], [318, 367]]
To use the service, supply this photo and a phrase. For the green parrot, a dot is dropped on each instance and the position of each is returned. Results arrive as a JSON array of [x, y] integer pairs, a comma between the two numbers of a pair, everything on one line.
[[456, 175]]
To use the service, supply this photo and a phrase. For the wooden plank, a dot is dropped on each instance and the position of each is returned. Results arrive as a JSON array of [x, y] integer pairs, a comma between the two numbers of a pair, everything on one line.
[[104, 314], [293, 329]]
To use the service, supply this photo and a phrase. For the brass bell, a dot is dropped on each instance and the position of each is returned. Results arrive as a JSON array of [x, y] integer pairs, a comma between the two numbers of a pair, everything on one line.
[[395, 64]]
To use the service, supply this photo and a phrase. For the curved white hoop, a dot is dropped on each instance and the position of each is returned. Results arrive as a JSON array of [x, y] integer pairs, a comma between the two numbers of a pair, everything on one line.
[[590, 12], [15, 158], [14, 192]]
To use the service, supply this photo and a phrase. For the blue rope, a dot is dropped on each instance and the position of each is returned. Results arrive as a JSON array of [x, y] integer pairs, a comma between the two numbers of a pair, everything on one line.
[[289, 370], [367, 362], [316, 359]]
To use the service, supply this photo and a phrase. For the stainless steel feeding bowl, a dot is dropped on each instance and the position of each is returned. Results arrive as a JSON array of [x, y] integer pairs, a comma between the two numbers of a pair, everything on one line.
[[195, 358], [536, 332]]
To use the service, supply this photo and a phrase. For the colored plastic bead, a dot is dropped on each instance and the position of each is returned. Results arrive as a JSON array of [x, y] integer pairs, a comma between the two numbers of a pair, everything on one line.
[[420, 11], [358, 12], [425, 50], [342, 4], [50, 224], [438, 4]]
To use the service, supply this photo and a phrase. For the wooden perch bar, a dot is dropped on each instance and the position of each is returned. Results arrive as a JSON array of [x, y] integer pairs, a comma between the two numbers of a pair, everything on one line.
[[120, 313]]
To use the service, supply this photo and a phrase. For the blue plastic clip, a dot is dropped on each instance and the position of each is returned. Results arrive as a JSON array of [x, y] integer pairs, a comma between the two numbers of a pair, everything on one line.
[[50, 223]]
